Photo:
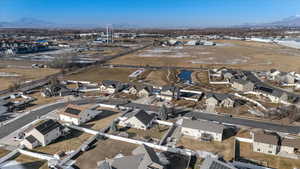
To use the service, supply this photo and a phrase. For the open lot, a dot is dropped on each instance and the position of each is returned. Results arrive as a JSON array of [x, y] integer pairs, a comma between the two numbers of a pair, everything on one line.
[[268, 160], [23, 75], [224, 148], [31, 163], [237, 54], [97, 74], [102, 150], [156, 132], [67, 143]]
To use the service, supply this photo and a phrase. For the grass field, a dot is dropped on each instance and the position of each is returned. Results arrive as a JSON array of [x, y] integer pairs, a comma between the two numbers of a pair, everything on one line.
[[97, 74], [224, 148], [237, 54]]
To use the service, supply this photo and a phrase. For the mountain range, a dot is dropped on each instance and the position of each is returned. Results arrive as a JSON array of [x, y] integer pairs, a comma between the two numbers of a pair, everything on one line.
[[293, 21]]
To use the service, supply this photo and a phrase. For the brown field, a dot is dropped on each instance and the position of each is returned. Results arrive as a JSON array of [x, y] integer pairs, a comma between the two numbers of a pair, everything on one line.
[[224, 148], [236, 54], [156, 132], [97, 74], [3, 152], [269, 160], [24, 75], [104, 149], [67, 143]]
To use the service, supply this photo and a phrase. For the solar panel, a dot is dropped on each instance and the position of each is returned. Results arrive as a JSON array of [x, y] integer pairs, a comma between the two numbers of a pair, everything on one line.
[[72, 111]]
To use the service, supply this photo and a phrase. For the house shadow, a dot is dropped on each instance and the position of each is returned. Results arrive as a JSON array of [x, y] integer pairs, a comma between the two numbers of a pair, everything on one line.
[[244, 160], [31, 165], [229, 131]]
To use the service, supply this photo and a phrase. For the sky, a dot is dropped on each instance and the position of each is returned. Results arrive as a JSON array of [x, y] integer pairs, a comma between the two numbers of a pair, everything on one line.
[[151, 13]]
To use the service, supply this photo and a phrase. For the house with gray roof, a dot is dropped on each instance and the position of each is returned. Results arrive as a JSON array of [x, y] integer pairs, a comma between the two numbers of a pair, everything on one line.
[[169, 93], [213, 163], [219, 99], [44, 132], [242, 85], [111, 86], [202, 130], [137, 119], [143, 157]]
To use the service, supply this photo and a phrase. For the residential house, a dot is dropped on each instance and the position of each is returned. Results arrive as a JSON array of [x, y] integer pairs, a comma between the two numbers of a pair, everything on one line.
[[131, 89], [267, 143], [286, 78], [77, 114], [242, 85], [42, 134], [143, 157], [57, 90], [137, 119], [218, 99], [191, 96], [275, 95], [169, 93], [291, 146], [145, 91], [203, 130], [213, 163], [111, 86], [273, 74]]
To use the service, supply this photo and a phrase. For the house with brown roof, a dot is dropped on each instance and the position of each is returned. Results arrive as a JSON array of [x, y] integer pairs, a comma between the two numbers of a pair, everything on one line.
[[77, 115], [264, 142], [291, 146]]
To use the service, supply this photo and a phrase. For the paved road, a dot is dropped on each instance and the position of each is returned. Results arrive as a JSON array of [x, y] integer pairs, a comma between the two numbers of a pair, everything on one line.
[[26, 119], [227, 119], [153, 67]]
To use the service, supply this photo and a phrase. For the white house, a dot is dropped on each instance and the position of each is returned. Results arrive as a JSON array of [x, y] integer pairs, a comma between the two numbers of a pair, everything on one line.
[[203, 130], [77, 114], [42, 134], [137, 119], [111, 86], [267, 143]]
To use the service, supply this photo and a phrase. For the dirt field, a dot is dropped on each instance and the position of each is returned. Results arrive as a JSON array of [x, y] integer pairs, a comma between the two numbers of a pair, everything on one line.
[[101, 122], [236, 54], [97, 74], [23, 75], [269, 160], [162, 77], [104, 149]]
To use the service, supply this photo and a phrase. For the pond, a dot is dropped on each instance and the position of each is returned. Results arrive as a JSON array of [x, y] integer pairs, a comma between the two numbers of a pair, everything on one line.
[[185, 76]]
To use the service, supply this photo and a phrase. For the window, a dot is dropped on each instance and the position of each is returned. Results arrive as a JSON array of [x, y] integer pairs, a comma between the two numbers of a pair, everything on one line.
[[258, 150], [270, 145], [270, 152]]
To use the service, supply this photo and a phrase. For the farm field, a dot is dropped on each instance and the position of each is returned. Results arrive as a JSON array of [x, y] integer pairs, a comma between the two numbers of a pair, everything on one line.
[[236, 54]]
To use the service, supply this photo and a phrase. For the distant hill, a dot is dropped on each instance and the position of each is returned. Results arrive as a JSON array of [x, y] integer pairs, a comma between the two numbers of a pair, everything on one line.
[[27, 23], [292, 21]]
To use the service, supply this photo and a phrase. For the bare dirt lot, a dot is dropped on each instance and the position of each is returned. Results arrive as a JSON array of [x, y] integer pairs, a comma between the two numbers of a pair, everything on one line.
[[236, 54], [23, 75]]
